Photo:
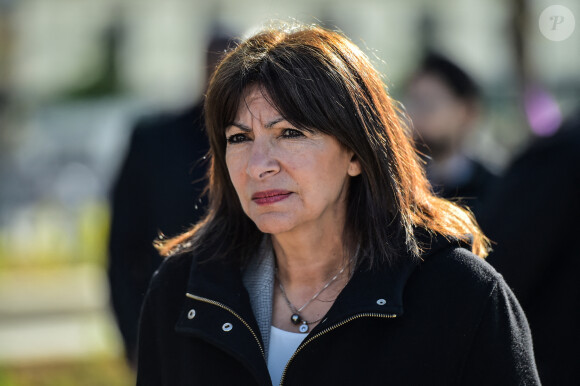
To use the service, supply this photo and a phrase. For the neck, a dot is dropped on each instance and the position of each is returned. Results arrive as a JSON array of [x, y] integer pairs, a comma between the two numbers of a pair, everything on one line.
[[309, 259]]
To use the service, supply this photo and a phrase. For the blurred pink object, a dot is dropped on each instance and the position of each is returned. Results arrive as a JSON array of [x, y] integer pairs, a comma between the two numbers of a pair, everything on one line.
[[542, 111]]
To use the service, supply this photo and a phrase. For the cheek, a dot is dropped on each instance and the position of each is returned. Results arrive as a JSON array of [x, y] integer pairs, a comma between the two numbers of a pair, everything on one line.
[[303, 166], [300, 162], [319, 174], [234, 165]]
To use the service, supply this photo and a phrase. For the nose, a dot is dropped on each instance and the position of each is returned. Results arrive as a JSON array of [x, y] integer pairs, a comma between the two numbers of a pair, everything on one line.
[[262, 162]]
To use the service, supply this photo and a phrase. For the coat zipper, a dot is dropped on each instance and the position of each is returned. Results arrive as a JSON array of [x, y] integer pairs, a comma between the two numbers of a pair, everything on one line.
[[328, 329], [223, 306]]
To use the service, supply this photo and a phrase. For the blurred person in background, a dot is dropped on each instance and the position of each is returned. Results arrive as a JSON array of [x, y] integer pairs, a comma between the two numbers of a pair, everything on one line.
[[532, 218], [443, 102], [324, 258], [158, 189]]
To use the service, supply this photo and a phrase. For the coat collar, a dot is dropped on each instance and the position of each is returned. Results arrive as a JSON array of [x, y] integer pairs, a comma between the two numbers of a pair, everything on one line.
[[217, 309], [376, 291], [379, 290]]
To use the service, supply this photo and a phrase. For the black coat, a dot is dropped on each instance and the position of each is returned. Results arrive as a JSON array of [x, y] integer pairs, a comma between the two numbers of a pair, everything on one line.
[[450, 320]]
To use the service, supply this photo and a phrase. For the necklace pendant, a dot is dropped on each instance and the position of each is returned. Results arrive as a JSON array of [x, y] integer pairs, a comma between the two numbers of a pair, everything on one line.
[[304, 327], [295, 319]]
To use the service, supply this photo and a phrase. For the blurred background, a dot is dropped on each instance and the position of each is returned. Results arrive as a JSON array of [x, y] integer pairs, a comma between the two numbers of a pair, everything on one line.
[[75, 75]]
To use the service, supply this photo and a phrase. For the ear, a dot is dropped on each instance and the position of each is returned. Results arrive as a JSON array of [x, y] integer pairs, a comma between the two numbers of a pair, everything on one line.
[[354, 168]]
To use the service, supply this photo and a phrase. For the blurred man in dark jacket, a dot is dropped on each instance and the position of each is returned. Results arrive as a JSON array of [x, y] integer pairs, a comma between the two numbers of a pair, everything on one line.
[[443, 102], [533, 218], [159, 189]]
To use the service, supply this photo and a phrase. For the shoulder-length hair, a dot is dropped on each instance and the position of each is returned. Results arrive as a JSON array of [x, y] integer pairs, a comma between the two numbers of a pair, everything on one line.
[[318, 79]]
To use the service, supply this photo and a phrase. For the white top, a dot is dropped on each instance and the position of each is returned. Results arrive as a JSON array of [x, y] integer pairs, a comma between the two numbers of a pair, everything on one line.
[[282, 345]]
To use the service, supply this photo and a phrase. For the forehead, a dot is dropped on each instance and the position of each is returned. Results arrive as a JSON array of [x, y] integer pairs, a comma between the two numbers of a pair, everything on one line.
[[256, 104]]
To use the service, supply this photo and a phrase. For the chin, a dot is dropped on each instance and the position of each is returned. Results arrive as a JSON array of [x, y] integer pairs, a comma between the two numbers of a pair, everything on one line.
[[273, 223]]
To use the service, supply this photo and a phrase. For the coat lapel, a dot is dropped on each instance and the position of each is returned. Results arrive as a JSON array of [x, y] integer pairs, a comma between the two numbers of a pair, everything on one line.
[[378, 291]]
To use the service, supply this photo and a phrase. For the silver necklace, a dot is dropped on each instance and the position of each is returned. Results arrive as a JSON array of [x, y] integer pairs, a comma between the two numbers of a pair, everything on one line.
[[296, 318]]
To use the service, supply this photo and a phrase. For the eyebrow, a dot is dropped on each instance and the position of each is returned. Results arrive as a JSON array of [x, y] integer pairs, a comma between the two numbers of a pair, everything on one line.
[[268, 125], [273, 122]]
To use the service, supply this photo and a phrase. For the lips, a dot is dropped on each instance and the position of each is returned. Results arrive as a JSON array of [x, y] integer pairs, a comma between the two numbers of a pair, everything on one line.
[[270, 196]]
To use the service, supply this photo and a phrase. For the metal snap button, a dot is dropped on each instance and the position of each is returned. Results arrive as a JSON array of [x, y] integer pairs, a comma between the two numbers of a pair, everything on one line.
[[381, 302], [227, 327], [191, 314]]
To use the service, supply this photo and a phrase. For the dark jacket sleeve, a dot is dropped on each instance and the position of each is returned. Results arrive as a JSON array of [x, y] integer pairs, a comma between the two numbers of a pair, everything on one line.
[[502, 351]]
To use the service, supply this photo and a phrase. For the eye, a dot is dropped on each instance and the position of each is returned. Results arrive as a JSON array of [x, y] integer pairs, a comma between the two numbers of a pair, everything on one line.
[[237, 138], [292, 133]]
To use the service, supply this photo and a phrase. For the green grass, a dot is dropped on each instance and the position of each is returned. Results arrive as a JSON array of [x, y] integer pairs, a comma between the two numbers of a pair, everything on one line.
[[98, 372]]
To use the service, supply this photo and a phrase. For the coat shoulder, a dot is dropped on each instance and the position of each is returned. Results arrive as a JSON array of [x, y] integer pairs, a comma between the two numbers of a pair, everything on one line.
[[460, 269], [172, 275], [467, 263]]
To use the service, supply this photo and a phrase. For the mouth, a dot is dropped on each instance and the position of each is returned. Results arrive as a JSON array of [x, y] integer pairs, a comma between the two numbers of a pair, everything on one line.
[[270, 196]]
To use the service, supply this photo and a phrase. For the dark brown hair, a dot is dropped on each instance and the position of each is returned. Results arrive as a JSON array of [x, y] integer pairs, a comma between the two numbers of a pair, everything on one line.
[[319, 79]]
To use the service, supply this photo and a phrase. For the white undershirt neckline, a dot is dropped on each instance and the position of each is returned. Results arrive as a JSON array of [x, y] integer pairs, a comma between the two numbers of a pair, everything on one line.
[[282, 346]]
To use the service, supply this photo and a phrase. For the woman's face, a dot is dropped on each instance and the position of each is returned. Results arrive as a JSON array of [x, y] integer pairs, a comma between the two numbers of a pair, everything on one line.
[[286, 178]]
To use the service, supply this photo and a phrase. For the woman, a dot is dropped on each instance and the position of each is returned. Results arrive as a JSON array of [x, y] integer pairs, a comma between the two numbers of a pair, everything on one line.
[[324, 258]]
